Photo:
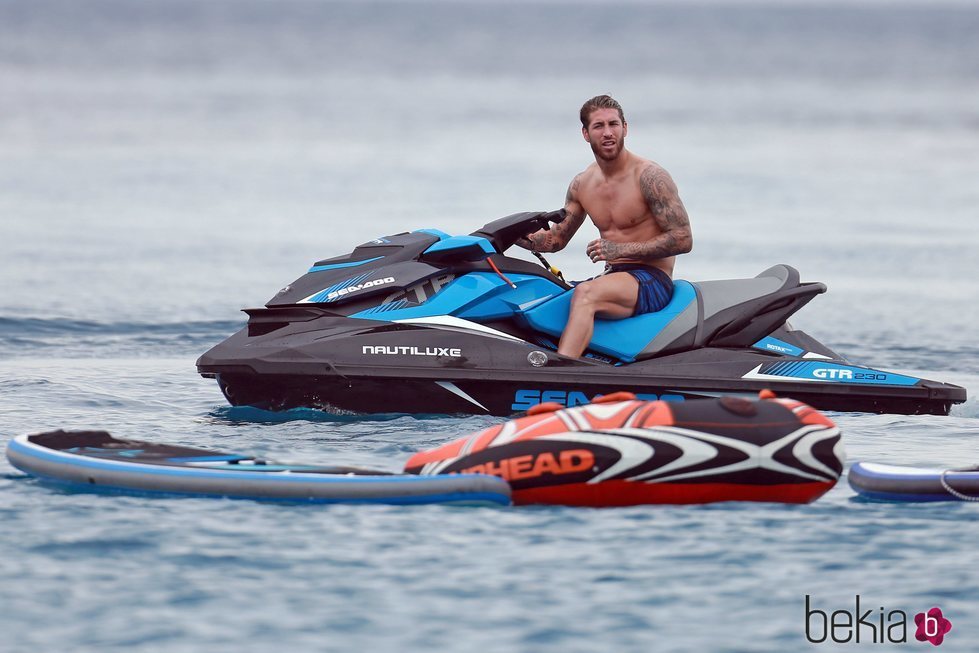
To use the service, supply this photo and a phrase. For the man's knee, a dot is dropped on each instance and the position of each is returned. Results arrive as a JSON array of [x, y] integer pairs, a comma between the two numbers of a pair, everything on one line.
[[585, 295]]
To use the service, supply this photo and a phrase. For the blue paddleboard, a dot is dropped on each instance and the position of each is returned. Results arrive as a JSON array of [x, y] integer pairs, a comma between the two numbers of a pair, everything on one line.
[[900, 483], [94, 460]]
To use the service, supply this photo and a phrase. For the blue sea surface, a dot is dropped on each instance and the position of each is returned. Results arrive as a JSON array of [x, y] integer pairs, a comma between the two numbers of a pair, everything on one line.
[[166, 163]]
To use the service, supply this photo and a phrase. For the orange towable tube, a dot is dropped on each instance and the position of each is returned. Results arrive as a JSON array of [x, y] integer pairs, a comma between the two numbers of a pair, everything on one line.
[[621, 451]]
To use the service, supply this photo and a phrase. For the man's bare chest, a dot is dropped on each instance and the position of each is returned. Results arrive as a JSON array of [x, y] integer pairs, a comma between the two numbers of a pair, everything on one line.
[[610, 204]]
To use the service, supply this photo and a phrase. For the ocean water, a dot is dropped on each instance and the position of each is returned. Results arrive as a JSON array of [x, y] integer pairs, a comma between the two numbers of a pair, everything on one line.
[[165, 163]]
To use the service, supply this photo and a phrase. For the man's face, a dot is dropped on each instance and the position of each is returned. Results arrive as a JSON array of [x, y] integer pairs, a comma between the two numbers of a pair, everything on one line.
[[605, 133]]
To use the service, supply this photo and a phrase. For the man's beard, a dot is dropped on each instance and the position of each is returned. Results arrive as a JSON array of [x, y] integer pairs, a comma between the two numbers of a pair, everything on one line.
[[613, 155]]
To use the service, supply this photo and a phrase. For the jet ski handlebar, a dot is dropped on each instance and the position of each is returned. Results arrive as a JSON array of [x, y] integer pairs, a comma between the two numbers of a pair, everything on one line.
[[504, 232], [557, 216]]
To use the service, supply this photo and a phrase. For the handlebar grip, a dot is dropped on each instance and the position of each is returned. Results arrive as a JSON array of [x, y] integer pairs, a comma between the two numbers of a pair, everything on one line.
[[557, 217]]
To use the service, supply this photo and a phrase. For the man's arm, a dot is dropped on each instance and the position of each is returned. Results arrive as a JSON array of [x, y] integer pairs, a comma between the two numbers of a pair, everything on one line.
[[661, 196], [558, 236]]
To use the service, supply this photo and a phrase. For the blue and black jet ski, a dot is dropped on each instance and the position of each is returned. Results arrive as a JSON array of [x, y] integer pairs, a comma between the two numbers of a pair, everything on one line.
[[426, 322]]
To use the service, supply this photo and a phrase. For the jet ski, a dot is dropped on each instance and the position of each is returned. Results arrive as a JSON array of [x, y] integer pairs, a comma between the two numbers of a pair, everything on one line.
[[428, 322]]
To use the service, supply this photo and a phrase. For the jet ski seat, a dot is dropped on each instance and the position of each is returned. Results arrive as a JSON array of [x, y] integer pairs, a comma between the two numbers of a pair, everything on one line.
[[621, 339], [730, 312]]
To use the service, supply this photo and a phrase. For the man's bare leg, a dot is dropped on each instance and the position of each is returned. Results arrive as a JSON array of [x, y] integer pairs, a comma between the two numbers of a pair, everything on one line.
[[609, 296]]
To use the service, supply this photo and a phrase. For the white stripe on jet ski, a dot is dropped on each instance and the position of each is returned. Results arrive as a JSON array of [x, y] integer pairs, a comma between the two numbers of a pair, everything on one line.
[[454, 389], [532, 302], [754, 374], [457, 323]]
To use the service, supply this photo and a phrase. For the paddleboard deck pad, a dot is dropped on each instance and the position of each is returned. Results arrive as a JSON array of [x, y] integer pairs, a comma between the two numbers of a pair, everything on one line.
[[95, 460], [901, 483]]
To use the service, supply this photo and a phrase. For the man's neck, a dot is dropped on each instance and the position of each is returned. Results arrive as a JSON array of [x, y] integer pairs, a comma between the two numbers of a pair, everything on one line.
[[615, 166]]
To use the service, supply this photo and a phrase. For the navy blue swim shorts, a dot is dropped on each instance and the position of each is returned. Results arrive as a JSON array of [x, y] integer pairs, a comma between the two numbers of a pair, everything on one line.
[[655, 286]]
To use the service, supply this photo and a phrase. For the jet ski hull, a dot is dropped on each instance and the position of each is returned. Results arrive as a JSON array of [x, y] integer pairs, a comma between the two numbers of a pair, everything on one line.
[[506, 397], [441, 372]]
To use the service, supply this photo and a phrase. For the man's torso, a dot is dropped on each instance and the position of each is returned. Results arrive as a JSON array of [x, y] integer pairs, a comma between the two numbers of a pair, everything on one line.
[[619, 210]]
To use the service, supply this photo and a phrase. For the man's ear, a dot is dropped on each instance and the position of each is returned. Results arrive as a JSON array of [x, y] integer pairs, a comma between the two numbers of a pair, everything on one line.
[[625, 128], [584, 133]]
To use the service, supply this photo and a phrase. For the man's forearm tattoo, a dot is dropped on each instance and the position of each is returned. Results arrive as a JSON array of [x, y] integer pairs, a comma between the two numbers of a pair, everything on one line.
[[541, 241], [661, 246], [555, 238]]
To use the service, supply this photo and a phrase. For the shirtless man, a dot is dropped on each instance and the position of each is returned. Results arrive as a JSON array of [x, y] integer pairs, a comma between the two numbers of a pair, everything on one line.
[[641, 221]]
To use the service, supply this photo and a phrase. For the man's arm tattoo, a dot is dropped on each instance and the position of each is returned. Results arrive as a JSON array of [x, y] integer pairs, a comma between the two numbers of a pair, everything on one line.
[[664, 203], [663, 200], [557, 237], [572, 191]]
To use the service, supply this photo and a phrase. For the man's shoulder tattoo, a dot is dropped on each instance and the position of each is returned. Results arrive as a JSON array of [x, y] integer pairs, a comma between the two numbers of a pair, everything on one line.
[[656, 185], [573, 188]]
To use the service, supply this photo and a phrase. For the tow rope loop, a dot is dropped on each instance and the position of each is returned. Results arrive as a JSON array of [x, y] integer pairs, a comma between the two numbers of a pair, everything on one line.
[[951, 490], [553, 270]]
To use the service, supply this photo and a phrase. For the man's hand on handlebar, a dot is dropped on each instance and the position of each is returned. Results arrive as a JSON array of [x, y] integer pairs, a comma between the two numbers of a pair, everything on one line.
[[557, 217], [543, 223]]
